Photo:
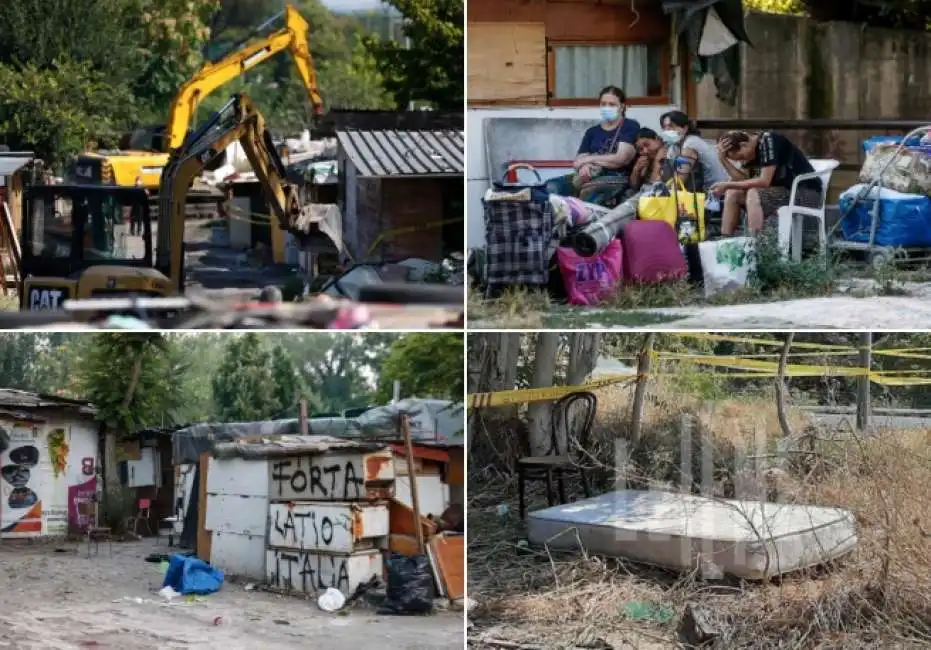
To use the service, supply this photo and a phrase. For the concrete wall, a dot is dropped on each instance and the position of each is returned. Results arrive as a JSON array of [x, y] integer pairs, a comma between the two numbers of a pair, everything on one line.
[[800, 69], [478, 174]]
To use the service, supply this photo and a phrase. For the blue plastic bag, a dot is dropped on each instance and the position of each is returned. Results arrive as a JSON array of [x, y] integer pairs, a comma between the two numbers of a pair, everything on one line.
[[187, 574]]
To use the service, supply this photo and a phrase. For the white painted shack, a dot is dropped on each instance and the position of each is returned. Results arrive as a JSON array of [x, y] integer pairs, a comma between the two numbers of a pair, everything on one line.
[[48, 463], [300, 513]]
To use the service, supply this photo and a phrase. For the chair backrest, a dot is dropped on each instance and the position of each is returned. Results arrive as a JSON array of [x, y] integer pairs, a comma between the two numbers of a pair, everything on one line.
[[574, 415], [824, 168]]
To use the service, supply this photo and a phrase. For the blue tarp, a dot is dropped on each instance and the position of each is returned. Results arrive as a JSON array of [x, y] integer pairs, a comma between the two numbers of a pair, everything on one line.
[[869, 143], [187, 574]]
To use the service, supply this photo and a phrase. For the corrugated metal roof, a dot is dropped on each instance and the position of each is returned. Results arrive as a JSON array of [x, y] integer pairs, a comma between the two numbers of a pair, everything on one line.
[[405, 153], [14, 398]]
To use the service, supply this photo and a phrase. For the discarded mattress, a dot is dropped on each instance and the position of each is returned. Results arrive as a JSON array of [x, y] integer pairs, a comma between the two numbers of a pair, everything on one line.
[[748, 539]]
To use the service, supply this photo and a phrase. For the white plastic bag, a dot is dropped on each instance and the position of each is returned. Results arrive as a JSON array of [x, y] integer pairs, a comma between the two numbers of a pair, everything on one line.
[[331, 600], [726, 263]]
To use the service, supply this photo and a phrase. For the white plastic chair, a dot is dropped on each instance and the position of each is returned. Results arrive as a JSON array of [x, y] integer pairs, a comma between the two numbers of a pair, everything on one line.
[[791, 217]]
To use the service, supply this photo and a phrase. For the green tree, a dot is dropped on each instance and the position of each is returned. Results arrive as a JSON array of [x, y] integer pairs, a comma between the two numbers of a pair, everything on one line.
[[290, 387], [426, 365], [432, 68], [173, 36], [54, 111], [243, 387], [135, 380], [18, 352], [341, 369]]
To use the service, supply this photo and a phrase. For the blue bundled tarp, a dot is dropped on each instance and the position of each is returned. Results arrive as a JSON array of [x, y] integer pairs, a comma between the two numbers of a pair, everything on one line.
[[904, 219], [187, 574], [869, 143]]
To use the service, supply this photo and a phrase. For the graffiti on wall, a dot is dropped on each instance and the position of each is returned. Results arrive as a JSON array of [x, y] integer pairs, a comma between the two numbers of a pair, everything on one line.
[[22, 508], [333, 477], [307, 573]]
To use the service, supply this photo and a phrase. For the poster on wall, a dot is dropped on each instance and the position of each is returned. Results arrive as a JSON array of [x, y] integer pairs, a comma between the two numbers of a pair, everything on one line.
[[21, 508]]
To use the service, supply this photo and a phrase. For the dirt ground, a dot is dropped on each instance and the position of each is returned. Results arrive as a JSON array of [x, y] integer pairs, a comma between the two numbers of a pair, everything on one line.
[[54, 596]]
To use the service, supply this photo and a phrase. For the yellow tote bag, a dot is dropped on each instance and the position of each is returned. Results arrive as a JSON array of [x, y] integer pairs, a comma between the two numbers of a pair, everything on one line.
[[682, 208]]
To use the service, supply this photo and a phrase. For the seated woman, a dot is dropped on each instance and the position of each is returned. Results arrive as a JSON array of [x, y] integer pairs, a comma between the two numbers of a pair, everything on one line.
[[776, 162], [603, 162], [651, 165], [691, 153]]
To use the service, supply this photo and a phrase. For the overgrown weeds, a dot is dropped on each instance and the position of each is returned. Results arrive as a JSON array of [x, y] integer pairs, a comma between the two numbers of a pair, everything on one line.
[[874, 597]]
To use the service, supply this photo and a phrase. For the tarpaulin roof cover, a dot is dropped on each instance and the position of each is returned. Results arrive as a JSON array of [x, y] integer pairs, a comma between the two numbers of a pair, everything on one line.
[[437, 421], [292, 445], [433, 421], [697, 20]]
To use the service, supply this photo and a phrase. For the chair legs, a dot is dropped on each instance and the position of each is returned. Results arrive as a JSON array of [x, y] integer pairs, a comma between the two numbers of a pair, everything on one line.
[[555, 488]]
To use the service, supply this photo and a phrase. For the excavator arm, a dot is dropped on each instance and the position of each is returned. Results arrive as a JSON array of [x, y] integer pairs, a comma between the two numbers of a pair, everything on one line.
[[293, 37], [238, 120]]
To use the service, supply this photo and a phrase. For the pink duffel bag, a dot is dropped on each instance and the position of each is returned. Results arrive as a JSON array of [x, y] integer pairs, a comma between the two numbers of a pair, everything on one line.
[[590, 280], [651, 253]]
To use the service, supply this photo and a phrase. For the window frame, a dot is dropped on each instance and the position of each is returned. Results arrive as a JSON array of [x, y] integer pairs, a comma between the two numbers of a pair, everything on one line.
[[665, 71]]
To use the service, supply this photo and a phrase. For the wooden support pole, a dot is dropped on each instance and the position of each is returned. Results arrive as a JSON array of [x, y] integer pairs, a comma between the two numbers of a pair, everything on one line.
[[305, 427], [644, 365], [412, 475], [863, 383]]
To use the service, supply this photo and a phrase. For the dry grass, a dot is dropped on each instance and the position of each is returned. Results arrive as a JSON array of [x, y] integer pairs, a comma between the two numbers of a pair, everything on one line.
[[875, 597]]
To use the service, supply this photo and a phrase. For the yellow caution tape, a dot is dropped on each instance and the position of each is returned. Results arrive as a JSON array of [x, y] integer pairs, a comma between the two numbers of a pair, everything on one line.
[[770, 368], [528, 395], [753, 368], [757, 341]]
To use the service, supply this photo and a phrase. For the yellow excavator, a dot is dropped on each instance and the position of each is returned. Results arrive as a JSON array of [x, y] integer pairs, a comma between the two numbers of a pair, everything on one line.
[[148, 149], [91, 241]]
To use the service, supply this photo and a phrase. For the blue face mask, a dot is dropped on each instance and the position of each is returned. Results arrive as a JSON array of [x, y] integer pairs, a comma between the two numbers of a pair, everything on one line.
[[610, 113]]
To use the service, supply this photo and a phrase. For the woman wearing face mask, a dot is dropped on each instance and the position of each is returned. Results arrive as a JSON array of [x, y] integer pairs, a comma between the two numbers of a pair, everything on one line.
[[605, 153], [688, 148], [776, 162]]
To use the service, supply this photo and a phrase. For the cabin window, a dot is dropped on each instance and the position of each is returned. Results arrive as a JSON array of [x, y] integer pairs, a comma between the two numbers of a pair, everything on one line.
[[577, 71]]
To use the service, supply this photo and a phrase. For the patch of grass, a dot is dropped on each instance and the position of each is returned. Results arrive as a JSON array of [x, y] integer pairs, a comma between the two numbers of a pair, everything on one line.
[[677, 293], [516, 308], [582, 318]]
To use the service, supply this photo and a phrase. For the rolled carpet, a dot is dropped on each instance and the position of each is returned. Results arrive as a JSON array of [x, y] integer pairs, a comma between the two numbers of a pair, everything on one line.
[[599, 232]]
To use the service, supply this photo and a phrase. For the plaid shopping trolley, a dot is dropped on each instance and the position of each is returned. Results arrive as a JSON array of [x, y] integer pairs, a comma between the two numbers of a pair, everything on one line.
[[518, 236]]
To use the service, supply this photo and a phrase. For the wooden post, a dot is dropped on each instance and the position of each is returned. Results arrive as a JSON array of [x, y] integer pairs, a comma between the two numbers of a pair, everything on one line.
[[863, 383], [305, 428], [412, 474], [644, 365]]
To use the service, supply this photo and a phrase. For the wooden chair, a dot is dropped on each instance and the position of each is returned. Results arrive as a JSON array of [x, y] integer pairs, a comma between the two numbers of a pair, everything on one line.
[[94, 532], [574, 414], [143, 515]]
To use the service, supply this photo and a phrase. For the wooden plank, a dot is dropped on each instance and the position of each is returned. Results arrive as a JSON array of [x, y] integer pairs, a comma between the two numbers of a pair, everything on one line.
[[449, 552], [507, 63], [401, 521], [203, 535], [403, 544]]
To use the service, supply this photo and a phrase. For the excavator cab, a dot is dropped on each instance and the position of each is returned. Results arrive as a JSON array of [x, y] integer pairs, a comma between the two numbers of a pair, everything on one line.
[[86, 241]]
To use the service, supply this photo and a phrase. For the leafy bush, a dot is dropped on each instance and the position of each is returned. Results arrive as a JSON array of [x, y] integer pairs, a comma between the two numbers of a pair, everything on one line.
[[774, 274]]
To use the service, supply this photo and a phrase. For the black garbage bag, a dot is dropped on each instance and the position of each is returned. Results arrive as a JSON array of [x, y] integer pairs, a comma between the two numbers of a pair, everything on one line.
[[410, 586]]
